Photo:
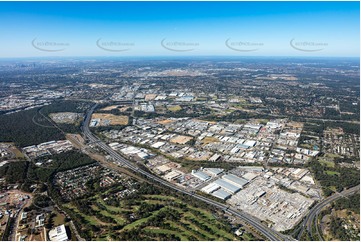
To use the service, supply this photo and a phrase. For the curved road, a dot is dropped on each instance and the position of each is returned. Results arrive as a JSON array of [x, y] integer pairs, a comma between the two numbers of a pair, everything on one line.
[[311, 218], [254, 222]]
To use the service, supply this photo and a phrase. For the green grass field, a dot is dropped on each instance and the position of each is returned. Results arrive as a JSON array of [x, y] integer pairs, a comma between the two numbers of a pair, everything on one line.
[[332, 173], [165, 218], [59, 219], [330, 164], [174, 108]]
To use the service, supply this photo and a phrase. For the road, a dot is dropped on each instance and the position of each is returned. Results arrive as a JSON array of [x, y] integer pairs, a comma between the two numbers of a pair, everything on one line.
[[311, 218], [268, 233]]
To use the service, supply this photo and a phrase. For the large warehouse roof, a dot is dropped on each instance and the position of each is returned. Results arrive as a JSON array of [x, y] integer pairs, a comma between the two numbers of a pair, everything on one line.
[[227, 186], [240, 182], [201, 175], [210, 188], [58, 234], [213, 171], [221, 194]]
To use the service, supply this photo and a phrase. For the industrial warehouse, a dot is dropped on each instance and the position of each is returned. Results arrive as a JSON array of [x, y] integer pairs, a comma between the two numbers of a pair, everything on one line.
[[225, 187]]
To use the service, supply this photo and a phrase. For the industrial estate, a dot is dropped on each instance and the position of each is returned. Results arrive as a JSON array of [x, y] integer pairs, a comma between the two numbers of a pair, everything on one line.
[[180, 156], [180, 121]]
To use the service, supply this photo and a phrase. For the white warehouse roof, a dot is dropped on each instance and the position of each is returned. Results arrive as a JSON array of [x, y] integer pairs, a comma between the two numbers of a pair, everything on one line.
[[210, 188], [201, 175], [221, 194], [158, 145], [58, 234], [237, 181], [250, 143], [213, 171], [227, 186]]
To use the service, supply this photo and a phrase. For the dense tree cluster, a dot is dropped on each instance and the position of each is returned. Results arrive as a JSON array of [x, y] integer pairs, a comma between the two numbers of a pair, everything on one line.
[[66, 106], [343, 178], [237, 115], [340, 232], [352, 203], [42, 201], [29, 127], [20, 128], [14, 172]]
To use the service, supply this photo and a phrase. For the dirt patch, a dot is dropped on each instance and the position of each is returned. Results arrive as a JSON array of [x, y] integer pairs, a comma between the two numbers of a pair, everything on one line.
[[108, 108], [120, 108], [208, 140], [76, 140], [165, 121], [181, 139], [150, 97], [110, 119]]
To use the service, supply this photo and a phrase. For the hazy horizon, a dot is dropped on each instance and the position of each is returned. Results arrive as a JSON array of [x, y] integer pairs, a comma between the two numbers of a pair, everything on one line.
[[141, 29]]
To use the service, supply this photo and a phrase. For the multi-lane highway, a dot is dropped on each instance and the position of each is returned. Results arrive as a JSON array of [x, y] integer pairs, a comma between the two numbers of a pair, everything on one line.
[[268, 233], [311, 218]]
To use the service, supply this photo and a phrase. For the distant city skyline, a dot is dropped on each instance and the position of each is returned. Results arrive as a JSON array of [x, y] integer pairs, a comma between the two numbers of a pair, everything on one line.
[[298, 29]]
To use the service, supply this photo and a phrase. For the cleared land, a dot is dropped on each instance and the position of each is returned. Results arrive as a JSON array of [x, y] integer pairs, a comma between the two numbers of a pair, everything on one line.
[[108, 108], [12, 151], [208, 140], [181, 139], [120, 108], [150, 97], [110, 119], [166, 121], [65, 117]]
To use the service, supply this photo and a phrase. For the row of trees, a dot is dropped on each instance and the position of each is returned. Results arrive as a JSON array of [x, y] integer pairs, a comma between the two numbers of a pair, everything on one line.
[[66, 106]]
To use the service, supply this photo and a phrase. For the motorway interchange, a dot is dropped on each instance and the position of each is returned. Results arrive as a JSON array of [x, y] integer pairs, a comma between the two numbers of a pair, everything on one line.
[[311, 218]]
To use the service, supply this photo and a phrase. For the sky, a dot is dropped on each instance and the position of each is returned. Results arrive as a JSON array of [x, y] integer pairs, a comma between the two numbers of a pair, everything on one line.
[[35, 29]]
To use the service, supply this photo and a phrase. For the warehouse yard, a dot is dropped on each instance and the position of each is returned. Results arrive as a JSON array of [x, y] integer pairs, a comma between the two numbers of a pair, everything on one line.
[[266, 200]]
